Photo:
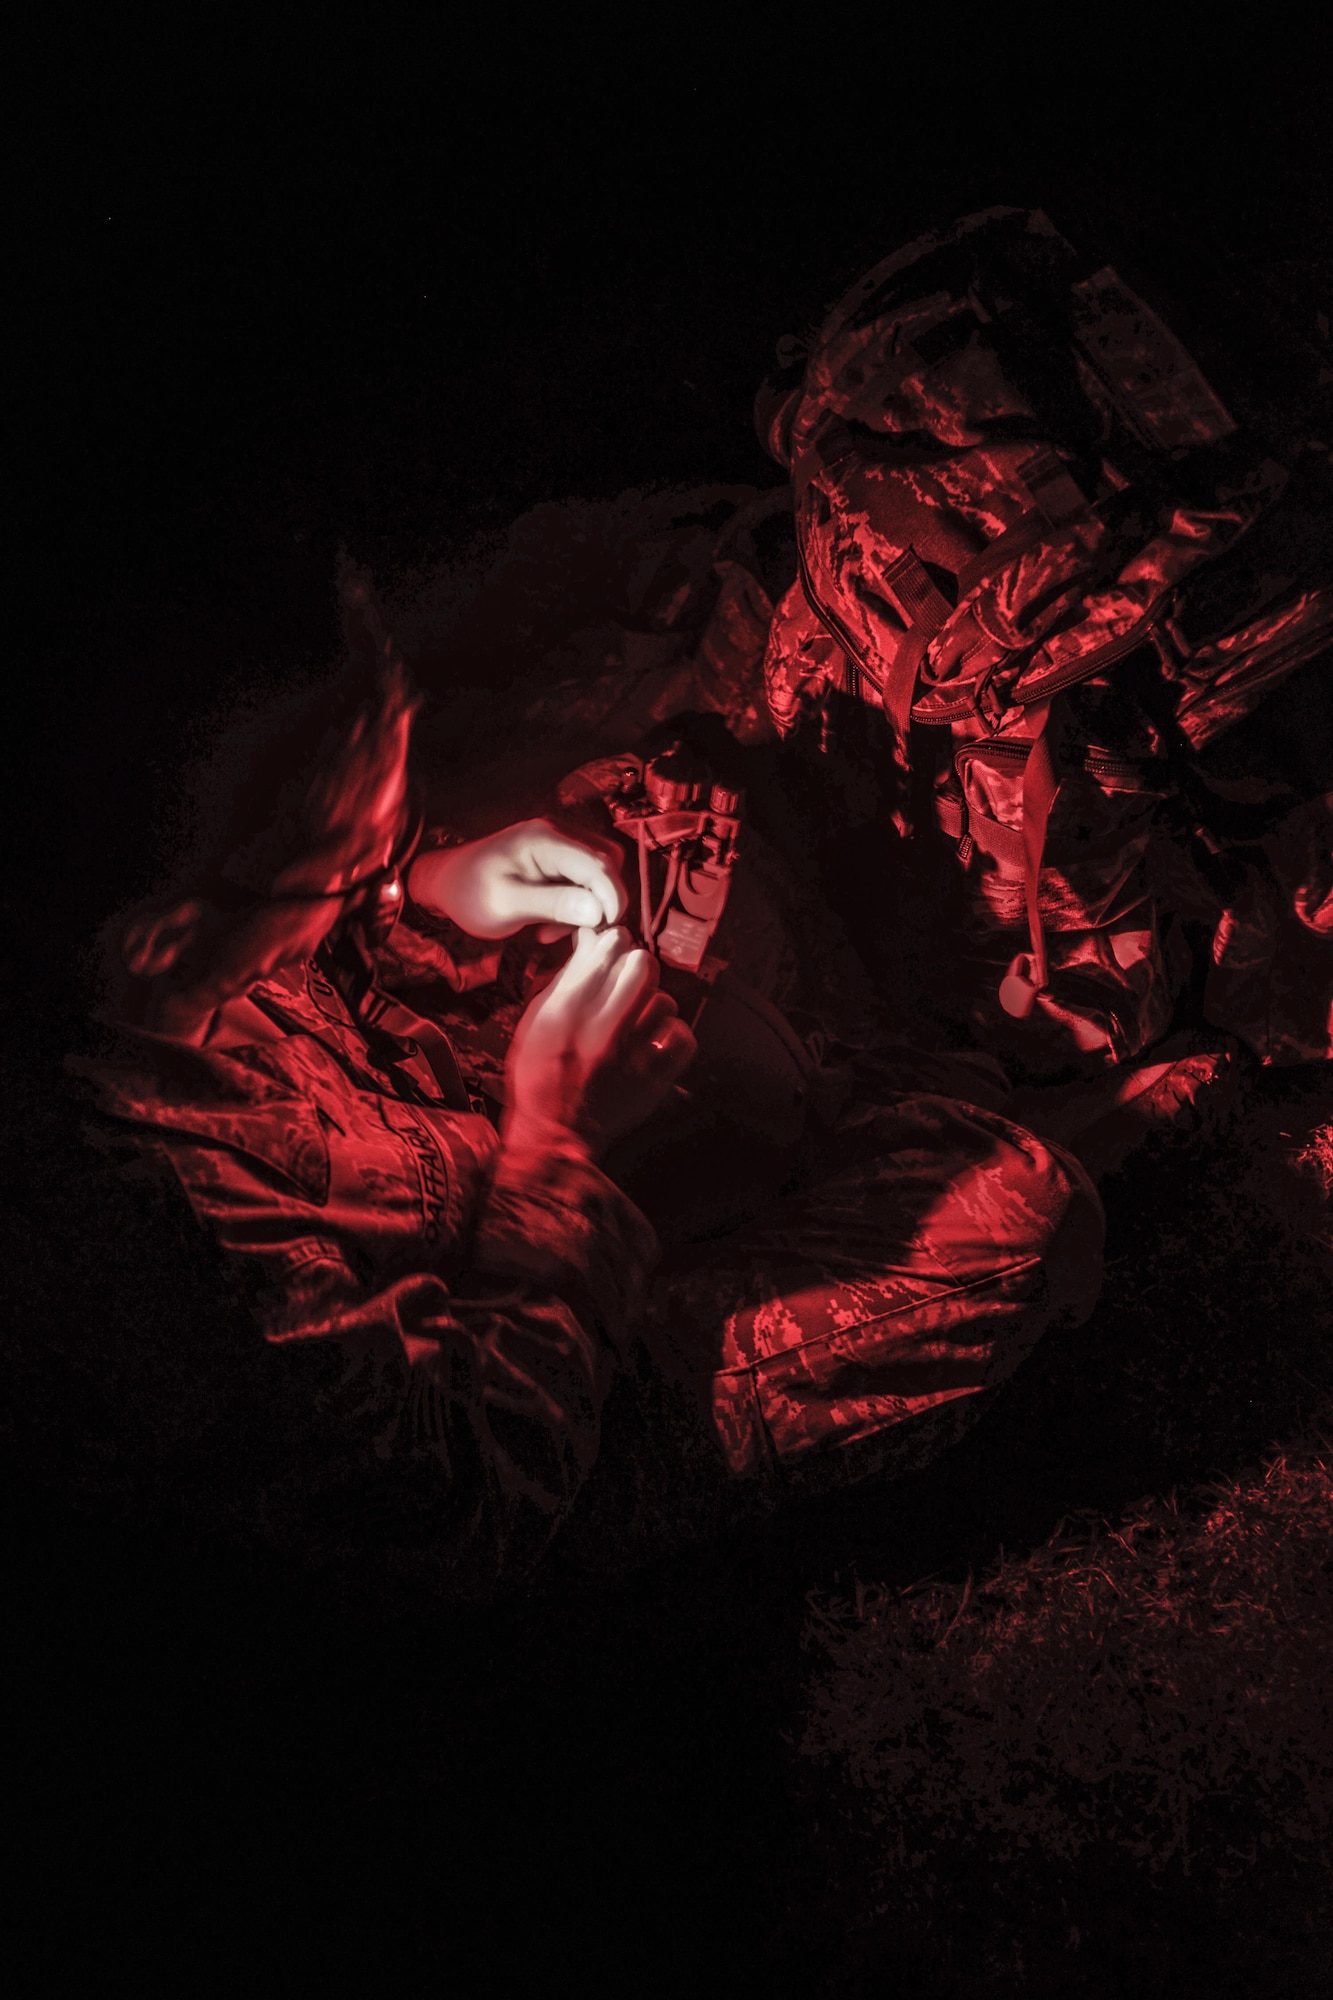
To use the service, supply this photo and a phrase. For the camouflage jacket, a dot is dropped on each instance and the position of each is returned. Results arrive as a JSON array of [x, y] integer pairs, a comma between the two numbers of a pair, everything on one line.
[[464, 1304]]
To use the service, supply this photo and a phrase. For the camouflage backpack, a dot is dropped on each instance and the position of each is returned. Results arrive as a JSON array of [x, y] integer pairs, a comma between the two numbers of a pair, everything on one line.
[[1029, 532]]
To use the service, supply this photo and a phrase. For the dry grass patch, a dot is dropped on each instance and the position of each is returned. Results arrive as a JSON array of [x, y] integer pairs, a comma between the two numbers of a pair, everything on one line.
[[1115, 1684]]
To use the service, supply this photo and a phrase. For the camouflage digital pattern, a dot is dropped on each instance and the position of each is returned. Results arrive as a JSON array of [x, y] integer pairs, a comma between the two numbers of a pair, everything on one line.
[[859, 1323], [1032, 536], [468, 1311], [473, 1302]]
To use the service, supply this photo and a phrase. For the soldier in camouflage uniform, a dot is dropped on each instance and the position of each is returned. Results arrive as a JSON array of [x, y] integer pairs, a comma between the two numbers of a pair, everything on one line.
[[447, 1297]]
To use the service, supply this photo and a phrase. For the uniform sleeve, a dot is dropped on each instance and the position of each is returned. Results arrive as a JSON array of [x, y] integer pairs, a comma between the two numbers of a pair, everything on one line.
[[471, 1391]]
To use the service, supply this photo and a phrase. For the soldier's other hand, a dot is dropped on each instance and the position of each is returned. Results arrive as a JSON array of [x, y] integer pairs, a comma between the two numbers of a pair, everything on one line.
[[599, 1048], [532, 873]]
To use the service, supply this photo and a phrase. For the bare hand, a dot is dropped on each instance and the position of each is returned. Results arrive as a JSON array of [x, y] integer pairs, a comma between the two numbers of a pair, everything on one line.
[[598, 1050], [528, 874]]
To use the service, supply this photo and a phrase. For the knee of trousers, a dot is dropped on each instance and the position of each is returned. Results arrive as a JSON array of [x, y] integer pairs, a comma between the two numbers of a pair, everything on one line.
[[1045, 1253], [1073, 1256], [1014, 1198]]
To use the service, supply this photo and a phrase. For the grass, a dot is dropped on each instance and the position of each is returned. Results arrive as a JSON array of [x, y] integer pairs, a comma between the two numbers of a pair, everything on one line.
[[1103, 1763], [1158, 1685]]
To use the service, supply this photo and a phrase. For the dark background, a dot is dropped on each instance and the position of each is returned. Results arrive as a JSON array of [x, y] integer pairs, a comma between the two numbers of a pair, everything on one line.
[[392, 293], [277, 295]]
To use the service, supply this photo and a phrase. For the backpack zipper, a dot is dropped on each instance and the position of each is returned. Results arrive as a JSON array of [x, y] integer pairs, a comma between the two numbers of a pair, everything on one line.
[[832, 624], [1109, 654], [1017, 753], [1118, 767], [1262, 662]]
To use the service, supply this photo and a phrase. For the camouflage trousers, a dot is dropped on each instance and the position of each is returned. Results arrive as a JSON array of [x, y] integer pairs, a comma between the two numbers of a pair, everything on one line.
[[860, 1326]]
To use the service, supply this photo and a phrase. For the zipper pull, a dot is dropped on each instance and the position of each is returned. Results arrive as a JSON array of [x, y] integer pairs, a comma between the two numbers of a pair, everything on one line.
[[1018, 993]]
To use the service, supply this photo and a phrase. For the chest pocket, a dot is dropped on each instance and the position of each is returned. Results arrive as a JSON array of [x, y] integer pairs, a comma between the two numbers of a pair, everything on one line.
[[283, 1138]]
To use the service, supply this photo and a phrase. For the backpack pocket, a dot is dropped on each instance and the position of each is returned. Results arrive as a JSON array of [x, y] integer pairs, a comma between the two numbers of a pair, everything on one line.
[[1106, 992]]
